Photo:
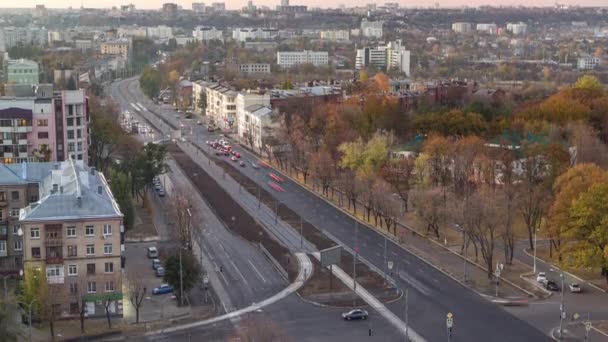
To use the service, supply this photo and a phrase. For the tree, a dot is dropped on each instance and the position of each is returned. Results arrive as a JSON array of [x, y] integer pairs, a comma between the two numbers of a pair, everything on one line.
[[587, 229], [43, 153], [136, 292], [588, 82], [149, 81], [202, 101], [398, 174], [323, 168], [121, 186], [7, 324], [146, 165], [191, 270], [36, 290], [181, 212], [430, 209], [439, 151]]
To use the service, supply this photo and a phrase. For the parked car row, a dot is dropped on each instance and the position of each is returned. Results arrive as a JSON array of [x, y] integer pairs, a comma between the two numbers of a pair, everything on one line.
[[158, 186], [551, 285]]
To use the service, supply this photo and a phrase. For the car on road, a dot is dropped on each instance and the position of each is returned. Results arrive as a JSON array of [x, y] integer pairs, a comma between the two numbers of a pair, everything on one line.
[[236, 154], [233, 158], [254, 165], [199, 122], [574, 288], [242, 163], [156, 264], [164, 288], [157, 186], [355, 314], [541, 277], [552, 285], [152, 252], [161, 192], [160, 271]]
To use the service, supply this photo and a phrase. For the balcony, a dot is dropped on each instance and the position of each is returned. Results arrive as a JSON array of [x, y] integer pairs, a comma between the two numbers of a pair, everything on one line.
[[22, 129], [3, 253], [55, 280], [55, 259], [22, 142], [53, 241]]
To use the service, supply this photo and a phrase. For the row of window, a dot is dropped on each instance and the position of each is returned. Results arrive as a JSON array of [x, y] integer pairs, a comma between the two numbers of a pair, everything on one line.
[[14, 196], [91, 287], [71, 147], [71, 134], [69, 231], [72, 250], [73, 269]]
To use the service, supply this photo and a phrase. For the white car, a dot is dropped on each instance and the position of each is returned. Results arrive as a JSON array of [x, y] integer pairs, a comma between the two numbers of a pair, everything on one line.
[[575, 288], [541, 277]]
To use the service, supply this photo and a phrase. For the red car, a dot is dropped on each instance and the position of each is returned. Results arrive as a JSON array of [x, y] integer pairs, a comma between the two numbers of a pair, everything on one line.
[[236, 154]]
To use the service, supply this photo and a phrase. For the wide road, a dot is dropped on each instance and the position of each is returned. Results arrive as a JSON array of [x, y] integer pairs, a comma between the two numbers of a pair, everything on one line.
[[432, 294]]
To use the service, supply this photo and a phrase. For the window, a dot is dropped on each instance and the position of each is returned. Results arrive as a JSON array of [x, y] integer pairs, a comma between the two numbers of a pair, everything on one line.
[[73, 288], [72, 270], [71, 147], [91, 287], [0, 214], [54, 271], [79, 146], [15, 212], [43, 122], [79, 132], [72, 251], [90, 268], [70, 122], [78, 122], [109, 286], [2, 196], [15, 195], [107, 230], [89, 231], [43, 135], [90, 249], [35, 233], [107, 249], [18, 245], [109, 267], [16, 229], [70, 134], [36, 252], [71, 232], [2, 247]]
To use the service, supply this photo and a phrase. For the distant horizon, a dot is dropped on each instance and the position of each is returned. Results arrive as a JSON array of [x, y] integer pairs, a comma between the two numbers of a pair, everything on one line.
[[234, 4]]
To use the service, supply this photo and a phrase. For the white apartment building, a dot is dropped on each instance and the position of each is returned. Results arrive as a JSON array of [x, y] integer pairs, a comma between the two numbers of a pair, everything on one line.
[[393, 55], [517, 28], [372, 29], [462, 27], [247, 34], [487, 28], [335, 35], [206, 33], [12, 36], [221, 105], [160, 32], [132, 31], [287, 59], [588, 62], [254, 125], [255, 68]]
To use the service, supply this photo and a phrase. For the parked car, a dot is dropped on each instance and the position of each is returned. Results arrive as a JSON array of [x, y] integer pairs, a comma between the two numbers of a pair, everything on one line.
[[236, 154], [199, 122], [156, 264], [254, 165], [355, 314], [152, 252], [164, 288], [160, 271], [242, 163], [541, 277], [233, 158], [552, 285], [157, 186], [575, 288]]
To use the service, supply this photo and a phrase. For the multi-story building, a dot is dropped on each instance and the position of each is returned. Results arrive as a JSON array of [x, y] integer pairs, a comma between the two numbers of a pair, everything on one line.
[[261, 46], [247, 34], [160, 32], [83, 44], [372, 29], [198, 7], [287, 59], [117, 47], [487, 28], [254, 125], [221, 105], [206, 33], [73, 233], [169, 10], [391, 56], [462, 27], [255, 68], [30, 35], [517, 28], [588, 62], [218, 7], [335, 35], [22, 71]]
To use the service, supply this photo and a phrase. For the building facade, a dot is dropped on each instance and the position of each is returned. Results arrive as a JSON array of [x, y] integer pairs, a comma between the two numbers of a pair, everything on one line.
[[22, 71], [287, 59], [74, 235], [118, 47], [205, 33], [248, 34], [517, 29], [221, 105], [254, 125], [462, 27], [588, 62], [255, 68], [391, 56], [336, 35], [372, 29]]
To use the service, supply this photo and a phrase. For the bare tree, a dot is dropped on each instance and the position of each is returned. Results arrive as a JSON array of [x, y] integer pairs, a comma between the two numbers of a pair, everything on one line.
[[399, 175], [181, 211], [430, 209], [107, 302], [136, 292]]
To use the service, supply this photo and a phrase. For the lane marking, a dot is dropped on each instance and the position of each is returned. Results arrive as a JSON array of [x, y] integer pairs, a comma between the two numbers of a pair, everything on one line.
[[415, 283], [256, 271], [238, 271]]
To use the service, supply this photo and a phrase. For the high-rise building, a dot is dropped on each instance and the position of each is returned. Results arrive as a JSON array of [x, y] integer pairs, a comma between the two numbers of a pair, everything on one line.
[[487, 28], [372, 29], [198, 7], [249, 34], [391, 56], [517, 29], [336, 35], [284, 2], [205, 33], [169, 10]]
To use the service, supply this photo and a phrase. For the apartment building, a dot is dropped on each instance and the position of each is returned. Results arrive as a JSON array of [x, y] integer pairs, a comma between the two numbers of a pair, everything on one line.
[[391, 56], [198, 7], [335, 35], [517, 29], [287, 59], [462, 27], [588, 62], [221, 105], [160, 32], [206, 33], [22, 71], [487, 28], [30, 35], [372, 29], [254, 125], [118, 47], [255, 68], [74, 234], [248, 34]]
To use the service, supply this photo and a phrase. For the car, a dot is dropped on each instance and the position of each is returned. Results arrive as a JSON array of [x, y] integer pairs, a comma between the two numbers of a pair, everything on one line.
[[254, 165], [541, 277], [233, 158], [226, 153], [236, 154], [355, 314], [218, 153], [160, 271], [574, 288], [152, 252], [157, 186], [155, 264], [242, 163], [161, 192], [163, 289], [552, 285]]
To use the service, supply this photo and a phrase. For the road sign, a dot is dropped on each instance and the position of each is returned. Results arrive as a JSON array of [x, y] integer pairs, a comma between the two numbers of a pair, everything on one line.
[[205, 280], [390, 265], [331, 256], [588, 325], [449, 320], [576, 316]]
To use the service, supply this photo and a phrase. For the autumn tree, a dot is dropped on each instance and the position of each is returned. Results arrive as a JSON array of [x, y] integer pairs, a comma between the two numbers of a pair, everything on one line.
[[588, 82], [323, 169], [136, 292], [438, 151], [398, 173], [430, 209], [181, 212], [191, 270]]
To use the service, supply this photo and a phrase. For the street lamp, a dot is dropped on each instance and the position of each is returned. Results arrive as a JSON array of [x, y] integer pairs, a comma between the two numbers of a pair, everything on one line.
[[535, 231], [29, 316], [562, 311]]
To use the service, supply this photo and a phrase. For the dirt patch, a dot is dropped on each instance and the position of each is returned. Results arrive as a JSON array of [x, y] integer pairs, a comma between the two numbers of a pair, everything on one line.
[[143, 226], [225, 208]]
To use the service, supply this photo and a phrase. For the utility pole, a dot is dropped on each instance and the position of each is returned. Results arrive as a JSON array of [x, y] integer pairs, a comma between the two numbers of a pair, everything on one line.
[[535, 250], [587, 327], [464, 254], [181, 278], [355, 257], [562, 311], [385, 258], [407, 325], [449, 322], [301, 233]]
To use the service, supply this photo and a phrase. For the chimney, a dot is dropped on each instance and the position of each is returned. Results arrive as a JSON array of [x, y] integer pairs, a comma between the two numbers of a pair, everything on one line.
[[79, 201], [99, 189], [55, 187]]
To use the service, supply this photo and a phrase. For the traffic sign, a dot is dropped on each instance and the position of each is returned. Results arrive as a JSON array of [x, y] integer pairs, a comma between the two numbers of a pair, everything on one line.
[[588, 325], [576, 316], [449, 320], [390, 265]]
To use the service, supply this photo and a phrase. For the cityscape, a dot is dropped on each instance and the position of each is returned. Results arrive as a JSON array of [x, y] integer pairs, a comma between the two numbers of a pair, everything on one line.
[[298, 171]]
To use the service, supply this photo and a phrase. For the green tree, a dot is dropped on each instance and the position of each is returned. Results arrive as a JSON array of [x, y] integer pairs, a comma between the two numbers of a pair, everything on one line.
[[588, 82], [587, 229], [149, 81], [121, 185], [365, 157], [191, 271]]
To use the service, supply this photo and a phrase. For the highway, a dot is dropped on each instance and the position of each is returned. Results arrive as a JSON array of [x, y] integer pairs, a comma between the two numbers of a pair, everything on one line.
[[432, 294]]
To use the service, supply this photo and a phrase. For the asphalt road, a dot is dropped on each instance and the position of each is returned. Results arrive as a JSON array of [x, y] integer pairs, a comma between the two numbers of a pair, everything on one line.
[[432, 294]]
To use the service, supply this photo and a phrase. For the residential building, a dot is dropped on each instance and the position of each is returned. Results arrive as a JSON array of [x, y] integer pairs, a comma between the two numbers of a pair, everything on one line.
[[116, 47], [517, 28], [255, 68], [22, 71], [588, 62], [206, 33], [198, 7], [462, 27], [132, 31], [83, 44], [287, 59], [261, 46], [254, 125], [218, 7], [169, 10], [30, 35], [487, 28], [372, 29], [247, 34], [391, 56], [198, 95], [160, 32], [74, 233], [72, 125], [292, 9], [221, 105], [336, 35]]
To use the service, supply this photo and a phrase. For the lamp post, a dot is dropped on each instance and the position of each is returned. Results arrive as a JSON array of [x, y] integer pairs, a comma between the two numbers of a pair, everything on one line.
[[29, 316], [535, 231], [562, 311]]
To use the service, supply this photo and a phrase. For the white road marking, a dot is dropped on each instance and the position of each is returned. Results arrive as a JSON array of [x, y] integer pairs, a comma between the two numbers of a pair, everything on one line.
[[256, 271], [415, 283], [238, 271]]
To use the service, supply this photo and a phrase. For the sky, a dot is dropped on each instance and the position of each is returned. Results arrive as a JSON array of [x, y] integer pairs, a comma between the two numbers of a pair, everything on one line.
[[233, 4]]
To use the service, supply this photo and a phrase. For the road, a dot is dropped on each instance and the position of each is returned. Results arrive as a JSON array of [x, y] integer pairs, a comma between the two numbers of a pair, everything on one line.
[[432, 294]]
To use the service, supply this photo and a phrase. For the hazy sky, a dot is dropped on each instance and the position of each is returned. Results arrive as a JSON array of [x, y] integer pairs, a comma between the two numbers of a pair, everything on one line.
[[232, 4]]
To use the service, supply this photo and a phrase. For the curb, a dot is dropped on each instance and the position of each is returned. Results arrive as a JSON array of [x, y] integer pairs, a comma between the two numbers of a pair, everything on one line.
[[545, 291], [407, 248], [566, 272], [146, 239]]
